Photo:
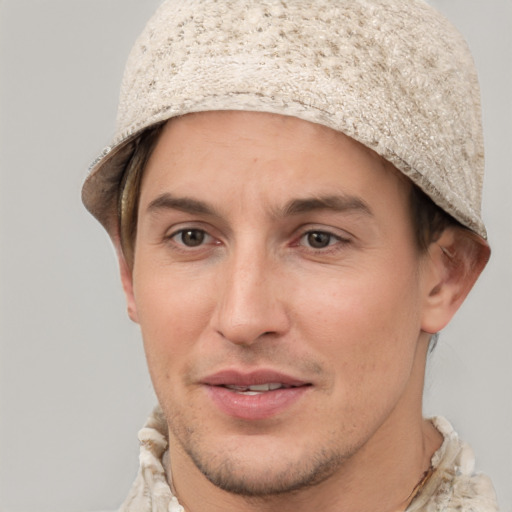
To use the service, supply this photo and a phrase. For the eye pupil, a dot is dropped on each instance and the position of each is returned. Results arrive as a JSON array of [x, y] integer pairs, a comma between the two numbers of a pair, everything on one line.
[[318, 240], [192, 237]]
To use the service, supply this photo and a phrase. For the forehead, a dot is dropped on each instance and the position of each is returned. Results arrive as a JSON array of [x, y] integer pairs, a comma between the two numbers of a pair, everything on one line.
[[271, 156], [266, 134]]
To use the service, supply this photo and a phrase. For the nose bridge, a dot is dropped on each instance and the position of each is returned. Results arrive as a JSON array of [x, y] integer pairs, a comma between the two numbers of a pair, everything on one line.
[[249, 305]]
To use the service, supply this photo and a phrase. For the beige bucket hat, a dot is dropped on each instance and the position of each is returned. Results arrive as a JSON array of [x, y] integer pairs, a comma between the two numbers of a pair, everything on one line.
[[392, 74]]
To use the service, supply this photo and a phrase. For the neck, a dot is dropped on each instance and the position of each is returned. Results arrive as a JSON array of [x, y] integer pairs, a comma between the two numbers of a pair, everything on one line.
[[381, 476]]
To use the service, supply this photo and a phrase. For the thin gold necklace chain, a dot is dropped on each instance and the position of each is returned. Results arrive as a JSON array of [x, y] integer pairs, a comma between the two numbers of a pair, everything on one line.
[[419, 486]]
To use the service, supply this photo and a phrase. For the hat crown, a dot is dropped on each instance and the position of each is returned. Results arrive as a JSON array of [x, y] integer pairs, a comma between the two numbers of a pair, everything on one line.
[[392, 74]]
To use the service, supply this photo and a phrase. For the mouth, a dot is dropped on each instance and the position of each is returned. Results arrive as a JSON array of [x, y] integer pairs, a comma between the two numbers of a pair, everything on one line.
[[254, 396]]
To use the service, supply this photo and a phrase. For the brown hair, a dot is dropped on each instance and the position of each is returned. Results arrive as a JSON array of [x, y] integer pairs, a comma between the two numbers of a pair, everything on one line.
[[129, 190]]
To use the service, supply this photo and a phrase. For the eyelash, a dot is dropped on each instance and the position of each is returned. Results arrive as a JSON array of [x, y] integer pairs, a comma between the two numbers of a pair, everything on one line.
[[181, 232], [334, 242]]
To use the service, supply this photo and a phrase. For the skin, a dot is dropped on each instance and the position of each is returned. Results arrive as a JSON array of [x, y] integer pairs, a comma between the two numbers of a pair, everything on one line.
[[239, 266]]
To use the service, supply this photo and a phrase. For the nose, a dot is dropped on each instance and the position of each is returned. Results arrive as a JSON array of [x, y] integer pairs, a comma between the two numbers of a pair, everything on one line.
[[250, 305]]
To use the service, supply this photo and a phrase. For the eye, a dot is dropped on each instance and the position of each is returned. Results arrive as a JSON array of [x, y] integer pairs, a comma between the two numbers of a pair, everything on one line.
[[191, 237], [320, 239]]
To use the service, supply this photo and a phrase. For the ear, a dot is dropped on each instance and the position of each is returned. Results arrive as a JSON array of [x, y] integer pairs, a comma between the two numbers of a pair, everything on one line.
[[127, 280], [454, 262]]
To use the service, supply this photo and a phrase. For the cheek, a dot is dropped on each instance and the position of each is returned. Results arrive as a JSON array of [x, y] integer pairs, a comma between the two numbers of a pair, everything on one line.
[[173, 312], [367, 327]]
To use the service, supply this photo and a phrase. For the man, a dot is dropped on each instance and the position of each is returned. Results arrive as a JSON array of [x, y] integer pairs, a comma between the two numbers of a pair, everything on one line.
[[294, 195]]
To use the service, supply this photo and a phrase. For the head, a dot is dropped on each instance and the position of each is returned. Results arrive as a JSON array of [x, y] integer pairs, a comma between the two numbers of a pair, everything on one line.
[[292, 211], [274, 250]]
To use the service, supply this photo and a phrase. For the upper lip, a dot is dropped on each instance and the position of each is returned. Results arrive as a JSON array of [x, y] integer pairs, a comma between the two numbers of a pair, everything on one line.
[[252, 378]]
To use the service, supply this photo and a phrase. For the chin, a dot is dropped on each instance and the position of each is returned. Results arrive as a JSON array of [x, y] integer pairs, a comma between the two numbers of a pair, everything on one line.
[[248, 474]]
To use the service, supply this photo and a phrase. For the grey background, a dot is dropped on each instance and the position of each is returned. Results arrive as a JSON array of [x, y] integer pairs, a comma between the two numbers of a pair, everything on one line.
[[73, 384]]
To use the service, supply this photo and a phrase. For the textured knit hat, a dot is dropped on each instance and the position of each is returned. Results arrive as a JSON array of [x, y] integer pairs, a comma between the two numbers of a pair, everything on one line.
[[392, 74]]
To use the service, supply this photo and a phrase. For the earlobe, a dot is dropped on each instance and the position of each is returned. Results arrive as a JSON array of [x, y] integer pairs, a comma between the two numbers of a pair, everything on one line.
[[127, 281], [454, 262]]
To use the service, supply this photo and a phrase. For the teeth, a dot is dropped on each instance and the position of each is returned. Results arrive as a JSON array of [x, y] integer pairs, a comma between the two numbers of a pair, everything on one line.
[[257, 388], [265, 387]]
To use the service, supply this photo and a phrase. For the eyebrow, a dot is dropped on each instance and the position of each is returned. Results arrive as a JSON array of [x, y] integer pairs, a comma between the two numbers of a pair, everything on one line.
[[337, 203], [184, 204]]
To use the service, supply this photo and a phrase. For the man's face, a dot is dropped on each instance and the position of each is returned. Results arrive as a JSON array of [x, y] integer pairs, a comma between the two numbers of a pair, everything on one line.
[[275, 253]]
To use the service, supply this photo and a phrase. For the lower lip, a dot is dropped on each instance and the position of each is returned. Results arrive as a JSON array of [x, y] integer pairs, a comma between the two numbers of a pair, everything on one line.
[[255, 407]]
